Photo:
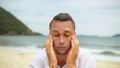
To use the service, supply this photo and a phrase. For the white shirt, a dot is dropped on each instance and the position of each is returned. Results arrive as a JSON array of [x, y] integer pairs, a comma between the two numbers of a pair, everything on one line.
[[84, 60]]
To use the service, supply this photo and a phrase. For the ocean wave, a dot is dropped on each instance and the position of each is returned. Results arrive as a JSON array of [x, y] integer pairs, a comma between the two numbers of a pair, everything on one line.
[[109, 52], [106, 52]]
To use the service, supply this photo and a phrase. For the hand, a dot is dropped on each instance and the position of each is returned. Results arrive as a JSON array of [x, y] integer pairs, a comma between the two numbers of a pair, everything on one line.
[[50, 52], [73, 53]]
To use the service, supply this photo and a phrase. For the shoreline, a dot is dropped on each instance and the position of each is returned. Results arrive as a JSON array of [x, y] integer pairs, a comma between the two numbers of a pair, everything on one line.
[[92, 51], [10, 58]]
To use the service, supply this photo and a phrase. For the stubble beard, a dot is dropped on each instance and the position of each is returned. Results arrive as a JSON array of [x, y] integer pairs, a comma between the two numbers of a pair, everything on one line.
[[62, 53]]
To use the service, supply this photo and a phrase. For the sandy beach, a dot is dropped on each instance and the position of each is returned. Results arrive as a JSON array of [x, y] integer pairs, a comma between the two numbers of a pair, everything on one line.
[[21, 59]]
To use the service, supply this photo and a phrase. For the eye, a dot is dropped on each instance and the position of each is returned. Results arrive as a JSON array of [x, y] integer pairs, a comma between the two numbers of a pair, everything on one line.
[[56, 35], [67, 35]]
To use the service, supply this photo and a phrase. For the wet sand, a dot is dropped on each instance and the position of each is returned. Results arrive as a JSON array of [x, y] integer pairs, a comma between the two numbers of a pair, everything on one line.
[[21, 59]]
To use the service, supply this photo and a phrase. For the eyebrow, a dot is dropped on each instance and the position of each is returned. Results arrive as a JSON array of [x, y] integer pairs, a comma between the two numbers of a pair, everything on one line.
[[67, 32], [56, 31]]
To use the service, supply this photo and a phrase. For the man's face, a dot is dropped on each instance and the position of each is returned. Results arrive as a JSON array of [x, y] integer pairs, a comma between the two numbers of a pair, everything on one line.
[[62, 32]]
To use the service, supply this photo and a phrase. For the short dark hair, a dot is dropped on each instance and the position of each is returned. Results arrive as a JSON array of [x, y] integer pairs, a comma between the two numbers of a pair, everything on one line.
[[62, 17]]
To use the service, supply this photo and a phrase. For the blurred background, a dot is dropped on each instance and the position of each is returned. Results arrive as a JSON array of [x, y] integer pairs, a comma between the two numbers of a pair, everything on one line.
[[24, 24]]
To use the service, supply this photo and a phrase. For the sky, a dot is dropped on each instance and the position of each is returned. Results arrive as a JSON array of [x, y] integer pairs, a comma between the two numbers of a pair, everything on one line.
[[92, 17]]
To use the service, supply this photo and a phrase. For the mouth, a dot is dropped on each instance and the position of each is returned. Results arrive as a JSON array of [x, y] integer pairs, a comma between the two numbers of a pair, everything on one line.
[[61, 47]]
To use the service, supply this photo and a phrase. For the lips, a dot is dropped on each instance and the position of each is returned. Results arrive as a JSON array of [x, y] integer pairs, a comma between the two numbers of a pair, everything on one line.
[[61, 47]]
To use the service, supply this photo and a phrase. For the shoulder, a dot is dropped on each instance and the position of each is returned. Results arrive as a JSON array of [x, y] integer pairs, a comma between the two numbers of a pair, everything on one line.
[[86, 59], [85, 55]]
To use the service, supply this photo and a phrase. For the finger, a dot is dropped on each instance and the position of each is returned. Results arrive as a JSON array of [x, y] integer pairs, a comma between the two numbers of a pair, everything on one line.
[[47, 47], [76, 43], [72, 43], [75, 40], [73, 37], [47, 44], [51, 42]]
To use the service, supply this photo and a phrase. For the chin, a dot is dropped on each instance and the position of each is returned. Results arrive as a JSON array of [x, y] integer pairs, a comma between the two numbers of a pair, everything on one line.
[[62, 52]]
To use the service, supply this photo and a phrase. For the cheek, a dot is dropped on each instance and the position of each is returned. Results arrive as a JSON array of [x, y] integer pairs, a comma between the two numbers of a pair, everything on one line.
[[67, 41], [55, 41]]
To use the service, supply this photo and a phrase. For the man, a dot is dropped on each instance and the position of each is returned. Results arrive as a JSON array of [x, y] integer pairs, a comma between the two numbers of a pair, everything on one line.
[[62, 47]]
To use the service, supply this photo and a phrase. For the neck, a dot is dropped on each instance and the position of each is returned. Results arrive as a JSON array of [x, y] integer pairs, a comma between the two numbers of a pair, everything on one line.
[[61, 60]]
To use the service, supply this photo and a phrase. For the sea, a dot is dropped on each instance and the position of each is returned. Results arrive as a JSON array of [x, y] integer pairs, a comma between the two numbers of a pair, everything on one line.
[[103, 48]]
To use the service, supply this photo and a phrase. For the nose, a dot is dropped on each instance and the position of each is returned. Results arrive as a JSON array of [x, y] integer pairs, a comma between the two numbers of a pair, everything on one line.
[[61, 40]]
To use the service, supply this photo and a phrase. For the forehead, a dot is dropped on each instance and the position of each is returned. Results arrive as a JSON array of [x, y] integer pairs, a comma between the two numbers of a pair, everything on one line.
[[62, 25]]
